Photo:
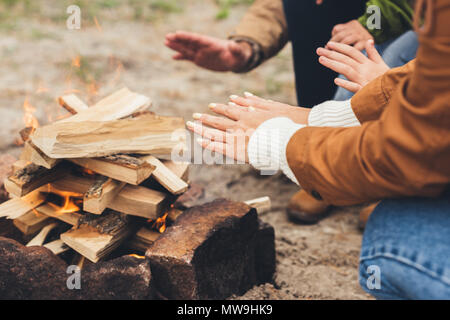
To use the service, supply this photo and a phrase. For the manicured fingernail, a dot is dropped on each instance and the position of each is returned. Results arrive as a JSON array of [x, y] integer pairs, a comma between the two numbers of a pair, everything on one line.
[[251, 109], [190, 124], [248, 94], [196, 116], [232, 104], [232, 97], [212, 105]]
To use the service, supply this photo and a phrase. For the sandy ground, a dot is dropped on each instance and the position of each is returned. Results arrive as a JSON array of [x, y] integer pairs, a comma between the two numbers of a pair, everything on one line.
[[38, 62]]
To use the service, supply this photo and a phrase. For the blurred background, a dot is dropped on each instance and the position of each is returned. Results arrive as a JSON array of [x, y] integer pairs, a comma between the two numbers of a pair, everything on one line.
[[121, 43]]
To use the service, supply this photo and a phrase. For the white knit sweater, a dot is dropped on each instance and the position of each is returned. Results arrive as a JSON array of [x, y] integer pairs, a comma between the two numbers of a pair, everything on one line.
[[267, 145]]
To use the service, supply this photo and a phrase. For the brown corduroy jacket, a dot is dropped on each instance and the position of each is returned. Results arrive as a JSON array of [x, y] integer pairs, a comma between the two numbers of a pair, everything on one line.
[[402, 147]]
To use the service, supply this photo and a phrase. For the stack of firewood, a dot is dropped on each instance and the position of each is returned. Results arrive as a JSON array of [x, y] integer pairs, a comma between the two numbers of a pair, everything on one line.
[[100, 172]]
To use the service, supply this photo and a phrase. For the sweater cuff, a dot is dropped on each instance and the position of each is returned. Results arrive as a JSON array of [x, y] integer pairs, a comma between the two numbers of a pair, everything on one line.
[[267, 146], [333, 114]]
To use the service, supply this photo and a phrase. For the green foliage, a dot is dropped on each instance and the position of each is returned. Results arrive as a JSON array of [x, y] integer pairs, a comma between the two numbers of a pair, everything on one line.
[[225, 6]]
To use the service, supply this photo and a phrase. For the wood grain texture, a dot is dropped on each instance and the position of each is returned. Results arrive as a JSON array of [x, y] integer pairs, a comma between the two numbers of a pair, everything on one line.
[[142, 135]]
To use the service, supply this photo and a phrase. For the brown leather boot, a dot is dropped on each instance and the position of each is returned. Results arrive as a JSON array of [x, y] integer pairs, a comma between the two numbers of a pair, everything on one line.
[[304, 208], [365, 213]]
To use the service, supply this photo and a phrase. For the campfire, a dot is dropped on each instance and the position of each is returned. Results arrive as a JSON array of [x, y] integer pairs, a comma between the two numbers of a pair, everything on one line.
[[97, 185]]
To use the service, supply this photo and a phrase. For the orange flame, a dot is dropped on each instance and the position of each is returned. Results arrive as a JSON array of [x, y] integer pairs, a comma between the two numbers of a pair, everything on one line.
[[160, 223], [29, 118], [76, 62], [99, 27], [69, 205], [136, 256]]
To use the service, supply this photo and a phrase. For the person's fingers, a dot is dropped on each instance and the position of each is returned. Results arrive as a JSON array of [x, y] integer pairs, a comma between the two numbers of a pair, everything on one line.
[[340, 35], [337, 28], [205, 132], [372, 52], [359, 45], [347, 50], [180, 56], [339, 67], [250, 101], [181, 48], [213, 145], [349, 40], [349, 85], [229, 111], [336, 56], [215, 122]]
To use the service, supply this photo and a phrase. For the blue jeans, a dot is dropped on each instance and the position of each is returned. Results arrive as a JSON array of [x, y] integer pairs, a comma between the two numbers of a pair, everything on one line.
[[405, 251], [395, 53]]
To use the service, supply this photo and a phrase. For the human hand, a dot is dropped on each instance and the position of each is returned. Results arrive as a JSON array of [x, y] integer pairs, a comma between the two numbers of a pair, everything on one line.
[[350, 62], [352, 33], [208, 52], [297, 114], [228, 135]]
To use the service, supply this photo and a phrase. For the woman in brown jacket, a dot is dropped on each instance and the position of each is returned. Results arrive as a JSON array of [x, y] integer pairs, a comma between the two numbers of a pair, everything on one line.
[[393, 143]]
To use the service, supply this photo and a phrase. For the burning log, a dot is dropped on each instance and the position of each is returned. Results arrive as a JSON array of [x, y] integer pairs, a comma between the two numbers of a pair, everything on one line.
[[209, 252], [167, 178], [143, 135], [101, 194], [72, 218], [72, 103], [97, 237], [121, 167], [31, 222]]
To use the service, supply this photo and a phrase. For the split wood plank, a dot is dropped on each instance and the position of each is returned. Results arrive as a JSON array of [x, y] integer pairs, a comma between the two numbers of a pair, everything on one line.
[[101, 194], [132, 200], [262, 205], [120, 167], [168, 179], [20, 164], [57, 246], [118, 105], [39, 239], [94, 245], [32, 154], [71, 218], [181, 169], [31, 222], [31, 177], [72, 103], [142, 135], [16, 207], [143, 239], [140, 201]]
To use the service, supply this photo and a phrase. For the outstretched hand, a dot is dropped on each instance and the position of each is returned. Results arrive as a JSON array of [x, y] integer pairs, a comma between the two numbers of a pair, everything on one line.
[[352, 33], [230, 134], [350, 62], [208, 52]]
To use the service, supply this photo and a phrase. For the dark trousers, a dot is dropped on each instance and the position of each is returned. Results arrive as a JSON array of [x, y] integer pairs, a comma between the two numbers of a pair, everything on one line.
[[310, 27]]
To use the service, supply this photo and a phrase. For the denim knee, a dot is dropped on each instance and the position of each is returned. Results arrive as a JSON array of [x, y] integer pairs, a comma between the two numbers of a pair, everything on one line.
[[405, 252]]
